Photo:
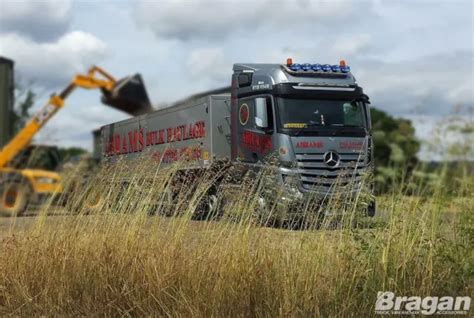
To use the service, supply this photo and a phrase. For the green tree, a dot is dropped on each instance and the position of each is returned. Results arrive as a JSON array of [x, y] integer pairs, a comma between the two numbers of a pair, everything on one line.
[[24, 101], [70, 152], [396, 148]]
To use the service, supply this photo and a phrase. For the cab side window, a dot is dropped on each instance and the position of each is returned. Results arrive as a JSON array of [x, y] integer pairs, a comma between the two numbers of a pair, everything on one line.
[[263, 118]]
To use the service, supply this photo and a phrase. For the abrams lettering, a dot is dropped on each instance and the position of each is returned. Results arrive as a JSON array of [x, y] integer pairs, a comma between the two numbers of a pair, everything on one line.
[[139, 139]]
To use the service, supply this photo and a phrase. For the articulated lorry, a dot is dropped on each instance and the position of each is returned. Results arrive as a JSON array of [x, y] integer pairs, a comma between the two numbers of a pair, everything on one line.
[[314, 119]]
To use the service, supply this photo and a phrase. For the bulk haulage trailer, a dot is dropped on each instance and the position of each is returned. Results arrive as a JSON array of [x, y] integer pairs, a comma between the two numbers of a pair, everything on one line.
[[313, 118]]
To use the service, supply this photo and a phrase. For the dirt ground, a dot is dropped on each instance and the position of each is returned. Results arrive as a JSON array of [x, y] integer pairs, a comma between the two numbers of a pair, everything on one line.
[[15, 225]]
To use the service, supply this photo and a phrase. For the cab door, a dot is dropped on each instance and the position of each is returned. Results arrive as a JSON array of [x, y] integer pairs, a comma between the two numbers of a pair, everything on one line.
[[255, 128]]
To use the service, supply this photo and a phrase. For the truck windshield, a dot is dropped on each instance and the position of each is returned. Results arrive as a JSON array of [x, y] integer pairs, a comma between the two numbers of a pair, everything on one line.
[[306, 114]]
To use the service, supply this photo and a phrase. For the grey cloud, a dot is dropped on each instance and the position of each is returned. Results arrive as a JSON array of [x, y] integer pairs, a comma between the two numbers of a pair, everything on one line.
[[51, 64], [214, 20], [43, 20], [430, 85]]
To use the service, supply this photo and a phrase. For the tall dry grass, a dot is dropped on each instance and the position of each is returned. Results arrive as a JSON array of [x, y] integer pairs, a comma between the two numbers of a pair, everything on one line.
[[127, 256]]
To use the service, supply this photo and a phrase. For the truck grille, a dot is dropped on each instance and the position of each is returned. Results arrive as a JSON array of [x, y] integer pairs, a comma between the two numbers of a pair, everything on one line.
[[315, 175]]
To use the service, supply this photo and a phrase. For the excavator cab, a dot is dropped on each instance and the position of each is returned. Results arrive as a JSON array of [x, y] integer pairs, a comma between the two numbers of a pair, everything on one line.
[[42, 157], [128, 95]]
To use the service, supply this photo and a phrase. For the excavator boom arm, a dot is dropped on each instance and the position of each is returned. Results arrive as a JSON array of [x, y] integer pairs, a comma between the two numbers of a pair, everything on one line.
[[89, 81]]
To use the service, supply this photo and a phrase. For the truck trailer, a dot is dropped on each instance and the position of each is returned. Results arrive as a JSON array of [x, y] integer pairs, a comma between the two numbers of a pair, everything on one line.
[[313, 118]]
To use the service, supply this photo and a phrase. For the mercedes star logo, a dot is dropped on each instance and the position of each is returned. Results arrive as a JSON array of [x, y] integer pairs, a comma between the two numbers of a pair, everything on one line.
[[332, 159]]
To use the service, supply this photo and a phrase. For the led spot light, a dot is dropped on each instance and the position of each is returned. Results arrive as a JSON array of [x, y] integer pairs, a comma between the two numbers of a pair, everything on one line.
[[326, 67], [345, 69], [306, 67], [295, 67]]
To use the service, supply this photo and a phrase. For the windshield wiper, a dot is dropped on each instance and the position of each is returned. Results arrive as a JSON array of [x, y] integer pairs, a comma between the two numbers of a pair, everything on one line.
[[341, 128], [345, 125], [307, 125]]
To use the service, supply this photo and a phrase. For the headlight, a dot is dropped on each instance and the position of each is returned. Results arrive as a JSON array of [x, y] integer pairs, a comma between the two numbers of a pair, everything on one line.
[[287, 164]]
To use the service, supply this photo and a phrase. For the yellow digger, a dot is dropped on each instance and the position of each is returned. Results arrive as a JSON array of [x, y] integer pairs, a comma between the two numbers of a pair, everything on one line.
[[20, 185]]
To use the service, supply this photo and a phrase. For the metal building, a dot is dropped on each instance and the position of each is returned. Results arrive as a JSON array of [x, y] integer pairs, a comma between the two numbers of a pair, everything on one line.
[[6, 100]]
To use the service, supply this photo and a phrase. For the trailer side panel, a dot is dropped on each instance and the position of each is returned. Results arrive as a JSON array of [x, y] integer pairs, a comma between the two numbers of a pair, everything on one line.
[[194, 131]]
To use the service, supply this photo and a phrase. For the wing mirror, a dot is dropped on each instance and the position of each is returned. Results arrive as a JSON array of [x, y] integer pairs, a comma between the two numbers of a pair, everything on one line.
[[365, 98]]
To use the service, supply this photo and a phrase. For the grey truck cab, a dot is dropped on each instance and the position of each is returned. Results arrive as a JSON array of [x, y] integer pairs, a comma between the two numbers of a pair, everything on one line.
[[313, 117]]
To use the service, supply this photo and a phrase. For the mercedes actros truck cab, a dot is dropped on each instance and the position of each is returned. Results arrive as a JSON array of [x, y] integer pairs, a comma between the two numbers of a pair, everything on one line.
[[314, 117]]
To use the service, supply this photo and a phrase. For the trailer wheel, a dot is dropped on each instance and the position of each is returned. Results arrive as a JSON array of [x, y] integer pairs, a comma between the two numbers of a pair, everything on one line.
[[208, 206], [14, 198], [371, 209], [94, 202], [269, 213]]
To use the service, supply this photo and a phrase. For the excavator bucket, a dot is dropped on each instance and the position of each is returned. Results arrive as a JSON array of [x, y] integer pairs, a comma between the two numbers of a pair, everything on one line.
[[128, 95]]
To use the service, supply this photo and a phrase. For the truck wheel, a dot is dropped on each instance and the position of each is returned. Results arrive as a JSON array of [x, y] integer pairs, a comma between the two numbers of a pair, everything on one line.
[[94, 202], [208, 207], [269, 213], [371, 209], [14, 198]]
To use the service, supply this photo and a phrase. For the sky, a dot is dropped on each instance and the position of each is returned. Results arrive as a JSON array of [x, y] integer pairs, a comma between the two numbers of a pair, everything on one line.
[[414, 58]]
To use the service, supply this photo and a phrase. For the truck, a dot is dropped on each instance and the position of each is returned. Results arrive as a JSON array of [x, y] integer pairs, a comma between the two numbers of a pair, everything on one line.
[[22, 181], [313, 118]]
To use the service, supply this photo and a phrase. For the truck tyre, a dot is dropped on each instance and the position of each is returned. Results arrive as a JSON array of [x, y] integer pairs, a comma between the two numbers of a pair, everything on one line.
[[94, 202], [208, 206], [371, 209], [14, 197], [269, 213]]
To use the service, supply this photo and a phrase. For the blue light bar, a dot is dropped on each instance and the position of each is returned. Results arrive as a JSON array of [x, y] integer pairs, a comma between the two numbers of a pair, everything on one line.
[[319, 67]]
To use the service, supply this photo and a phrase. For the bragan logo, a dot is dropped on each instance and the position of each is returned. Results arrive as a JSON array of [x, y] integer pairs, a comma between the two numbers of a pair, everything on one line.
[[244, 114]]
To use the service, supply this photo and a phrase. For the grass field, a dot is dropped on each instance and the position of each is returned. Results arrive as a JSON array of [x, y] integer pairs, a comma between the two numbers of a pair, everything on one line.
[[120, 260]]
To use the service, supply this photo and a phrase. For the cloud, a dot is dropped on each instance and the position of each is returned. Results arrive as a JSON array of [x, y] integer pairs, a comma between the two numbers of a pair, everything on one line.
[[352, 45], [73, 126], [43, 20], [53, 63], [209, 63], [431, 85], [215, 20]]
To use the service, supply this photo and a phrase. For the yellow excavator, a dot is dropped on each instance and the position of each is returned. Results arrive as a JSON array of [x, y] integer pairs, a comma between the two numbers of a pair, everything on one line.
[[19, 185]]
